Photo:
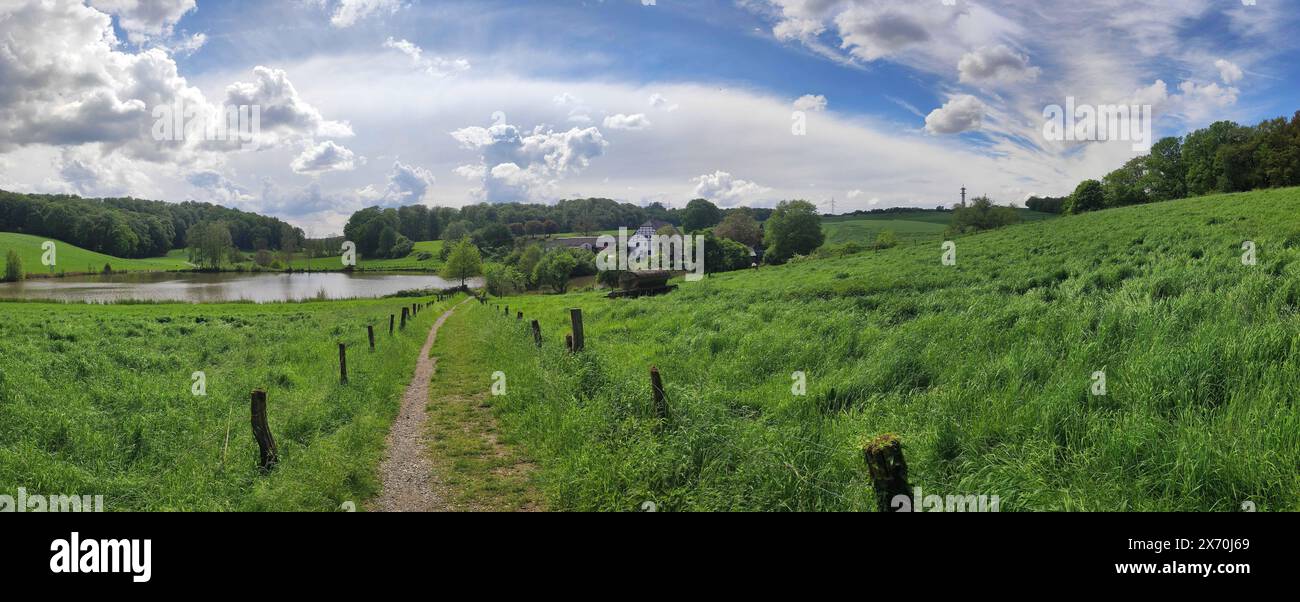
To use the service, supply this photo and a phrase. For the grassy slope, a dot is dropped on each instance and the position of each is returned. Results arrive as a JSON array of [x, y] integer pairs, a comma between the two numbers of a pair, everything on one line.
[[984, 369], [71, 258], [410, 262], [97, 400], [865, 231], [907, 226]]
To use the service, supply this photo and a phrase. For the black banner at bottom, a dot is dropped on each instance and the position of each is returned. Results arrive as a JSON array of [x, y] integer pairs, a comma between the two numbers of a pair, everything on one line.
[[171, 553]]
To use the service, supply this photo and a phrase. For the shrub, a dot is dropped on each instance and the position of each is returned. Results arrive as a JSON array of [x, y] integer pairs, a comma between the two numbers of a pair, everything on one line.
[[402, 248], [13, 267], [502, 280]]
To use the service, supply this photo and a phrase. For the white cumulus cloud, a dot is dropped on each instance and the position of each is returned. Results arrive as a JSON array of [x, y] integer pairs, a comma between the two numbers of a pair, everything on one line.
[[517, 166], [324, 157], [998, 64], [727, 190], [961, 113], [1229, 72]]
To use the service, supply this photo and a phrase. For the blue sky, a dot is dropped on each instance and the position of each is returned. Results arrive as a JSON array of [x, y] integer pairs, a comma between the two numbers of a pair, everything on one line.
[[388, 102]]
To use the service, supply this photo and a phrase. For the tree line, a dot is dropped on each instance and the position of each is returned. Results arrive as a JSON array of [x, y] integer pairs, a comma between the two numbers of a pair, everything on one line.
[[136, 228], [385, 232], [1222, 158]]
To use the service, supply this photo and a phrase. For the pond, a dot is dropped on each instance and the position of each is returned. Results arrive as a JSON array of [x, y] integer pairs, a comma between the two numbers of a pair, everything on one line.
[[213, 288]]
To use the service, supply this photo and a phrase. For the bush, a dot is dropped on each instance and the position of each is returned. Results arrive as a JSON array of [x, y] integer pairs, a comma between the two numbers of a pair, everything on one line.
[[502, 280], [262, 258], [13, 267], [402, 248], [981, 215], [555, 269]]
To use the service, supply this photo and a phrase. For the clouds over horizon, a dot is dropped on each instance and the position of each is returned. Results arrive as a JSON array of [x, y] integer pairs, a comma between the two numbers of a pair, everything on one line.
[[376, 101]]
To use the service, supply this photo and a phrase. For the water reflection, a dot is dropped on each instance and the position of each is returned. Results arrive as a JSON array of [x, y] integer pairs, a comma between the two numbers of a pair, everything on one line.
[[211, 288]]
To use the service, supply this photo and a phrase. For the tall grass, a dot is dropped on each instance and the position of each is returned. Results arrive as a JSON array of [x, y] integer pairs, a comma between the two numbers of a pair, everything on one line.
[[97, 400], [984, 369]]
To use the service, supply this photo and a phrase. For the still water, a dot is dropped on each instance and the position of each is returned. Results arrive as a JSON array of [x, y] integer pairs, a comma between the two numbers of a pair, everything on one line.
[[211, 288]]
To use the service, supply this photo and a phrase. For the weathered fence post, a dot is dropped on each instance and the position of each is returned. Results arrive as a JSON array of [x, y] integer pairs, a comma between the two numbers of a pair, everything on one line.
[[520, 317], [506, 313], [343, 363], [404, 312], [391, 319], [579, 341], [370, 330], [537, 334], [888, 470], [657, 391], [262, 432]]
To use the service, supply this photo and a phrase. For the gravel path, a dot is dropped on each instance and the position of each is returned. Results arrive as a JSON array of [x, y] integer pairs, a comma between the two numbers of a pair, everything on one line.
[[409, 484]]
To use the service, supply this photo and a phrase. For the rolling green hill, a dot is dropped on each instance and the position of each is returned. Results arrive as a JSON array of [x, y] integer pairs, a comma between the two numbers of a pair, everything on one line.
[[985, 369], [908, 226], [70, 258], [411, 262]]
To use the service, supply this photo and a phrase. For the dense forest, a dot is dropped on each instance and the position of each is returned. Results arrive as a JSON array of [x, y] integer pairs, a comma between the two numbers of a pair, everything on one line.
[[135, 228]]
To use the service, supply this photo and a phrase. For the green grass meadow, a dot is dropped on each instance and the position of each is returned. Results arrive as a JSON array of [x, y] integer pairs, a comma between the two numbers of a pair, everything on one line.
[[73, 259], [984, 369], [907, 226], [98, 400], [411, 262]]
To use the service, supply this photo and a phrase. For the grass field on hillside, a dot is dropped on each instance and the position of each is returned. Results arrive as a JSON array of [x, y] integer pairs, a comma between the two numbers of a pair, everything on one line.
[[908, 226], [70, 258], [410, 262], [984, 369], [97, 400], [865, 231]]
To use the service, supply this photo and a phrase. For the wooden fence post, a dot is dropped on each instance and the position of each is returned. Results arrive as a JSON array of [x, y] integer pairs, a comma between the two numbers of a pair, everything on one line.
[[343, 363], [888, 470], [520, 317], [404, 312], [537, 334], [568, 342], [370, 330], [391, 319], [262, 432], [506, 313], [579, 341], [657, 391]]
